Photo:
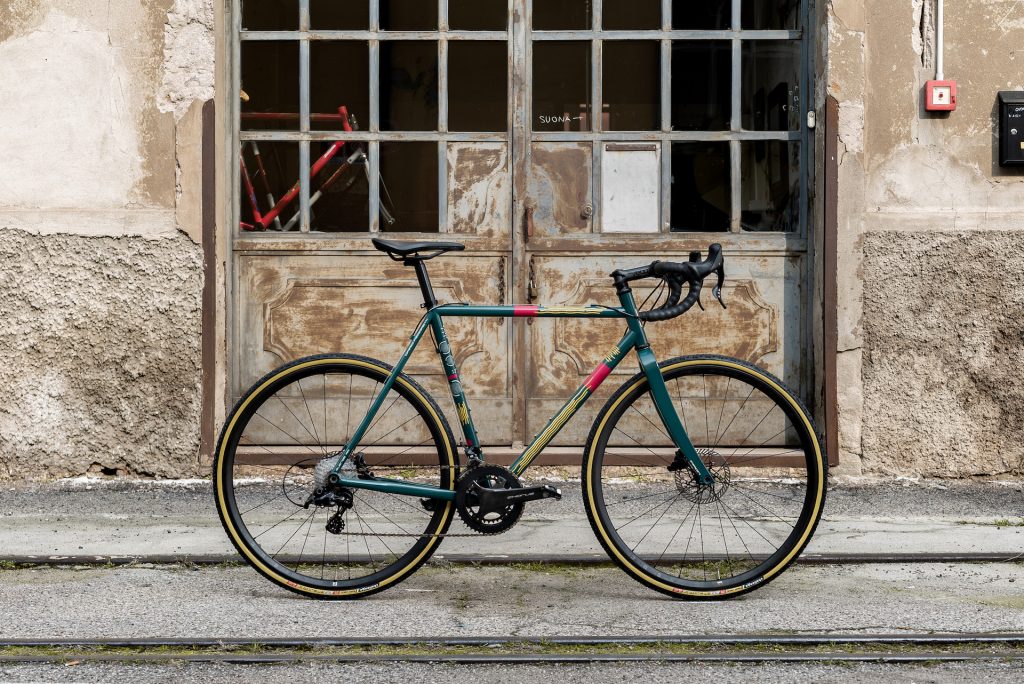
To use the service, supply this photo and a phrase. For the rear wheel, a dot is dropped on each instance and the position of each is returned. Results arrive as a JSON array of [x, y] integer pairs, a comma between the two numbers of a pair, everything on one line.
[[697, 541], [277, 448]]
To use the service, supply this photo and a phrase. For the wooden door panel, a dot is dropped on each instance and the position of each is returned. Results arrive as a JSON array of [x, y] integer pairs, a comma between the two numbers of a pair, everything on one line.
[[295, 305], [480, 189], [560, 188], [758, 290]]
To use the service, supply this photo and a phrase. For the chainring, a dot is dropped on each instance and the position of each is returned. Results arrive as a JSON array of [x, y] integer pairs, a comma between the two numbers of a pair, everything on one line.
[[467, 500]]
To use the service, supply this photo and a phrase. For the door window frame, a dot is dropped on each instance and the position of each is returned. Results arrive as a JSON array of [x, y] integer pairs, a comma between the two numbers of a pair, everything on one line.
[[373, 136], [665, 137]]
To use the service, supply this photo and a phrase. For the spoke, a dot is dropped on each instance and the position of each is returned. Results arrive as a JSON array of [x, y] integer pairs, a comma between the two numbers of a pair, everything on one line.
[[682, 411], [286, 434], [651, 528], [385, 516], [301, 525], [402, 500], [414, 417], [273, 498], [761, 445], [773, 454], [725, 398], [297, 420], [652, 508], [309, 413], [380, 416], [766, 509], [724, 509], [284, 520], [305, 541], [754, 429], [738, 411], [703, 556], [323, 556], [645, 496], [366, 542], [679, 527], [792, 499], [400, 453], [348, 415], [686, 551], [375, 534], [635, 441], [323, 378], [756, 531], [652, 423], [721, 524], [707, 426]]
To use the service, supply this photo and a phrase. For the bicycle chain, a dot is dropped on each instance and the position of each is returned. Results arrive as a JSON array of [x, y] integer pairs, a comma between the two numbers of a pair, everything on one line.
[[424, 536]]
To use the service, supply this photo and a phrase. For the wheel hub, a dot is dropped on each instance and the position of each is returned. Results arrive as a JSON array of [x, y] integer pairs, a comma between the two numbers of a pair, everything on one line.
[[690, 487]]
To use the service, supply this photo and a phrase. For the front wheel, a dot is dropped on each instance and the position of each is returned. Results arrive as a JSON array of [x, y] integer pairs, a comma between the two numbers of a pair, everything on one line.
[[705, 541]]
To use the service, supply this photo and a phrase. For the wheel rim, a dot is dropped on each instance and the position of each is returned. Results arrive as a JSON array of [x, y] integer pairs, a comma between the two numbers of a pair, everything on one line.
[[738, 532], [267, 473]]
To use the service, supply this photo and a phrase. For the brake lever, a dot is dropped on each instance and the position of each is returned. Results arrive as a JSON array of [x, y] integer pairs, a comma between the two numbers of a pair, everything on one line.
[[717, 289]]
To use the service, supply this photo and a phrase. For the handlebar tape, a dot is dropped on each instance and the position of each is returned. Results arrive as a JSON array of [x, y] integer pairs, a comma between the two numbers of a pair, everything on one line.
[[693, 273]]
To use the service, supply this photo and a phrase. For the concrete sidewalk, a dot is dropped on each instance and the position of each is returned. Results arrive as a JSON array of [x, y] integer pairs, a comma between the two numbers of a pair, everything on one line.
[[176, 520]]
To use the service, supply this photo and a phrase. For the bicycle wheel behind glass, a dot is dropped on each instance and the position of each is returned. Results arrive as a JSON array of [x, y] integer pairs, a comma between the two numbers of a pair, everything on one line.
[[705, 541], [280, 443]]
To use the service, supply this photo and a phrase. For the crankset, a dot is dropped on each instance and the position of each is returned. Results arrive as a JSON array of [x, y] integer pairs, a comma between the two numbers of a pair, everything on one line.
[[490, 498]]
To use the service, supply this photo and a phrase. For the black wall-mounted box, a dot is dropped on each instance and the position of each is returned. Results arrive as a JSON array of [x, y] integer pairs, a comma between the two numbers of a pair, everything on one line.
[[1011, 128]]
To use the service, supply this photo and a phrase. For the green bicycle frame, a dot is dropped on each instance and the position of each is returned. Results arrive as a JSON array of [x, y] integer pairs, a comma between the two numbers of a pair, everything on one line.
[[634, 338]]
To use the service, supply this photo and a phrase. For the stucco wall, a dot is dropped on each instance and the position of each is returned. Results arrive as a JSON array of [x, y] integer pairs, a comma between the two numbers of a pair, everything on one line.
[[930, 228], [99, 228]]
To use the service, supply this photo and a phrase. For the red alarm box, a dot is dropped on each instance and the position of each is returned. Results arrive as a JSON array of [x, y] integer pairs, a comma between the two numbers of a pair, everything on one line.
[[940, 96]]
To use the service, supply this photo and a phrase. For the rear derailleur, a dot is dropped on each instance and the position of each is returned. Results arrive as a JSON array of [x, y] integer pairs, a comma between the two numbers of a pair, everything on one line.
[[330, 497]]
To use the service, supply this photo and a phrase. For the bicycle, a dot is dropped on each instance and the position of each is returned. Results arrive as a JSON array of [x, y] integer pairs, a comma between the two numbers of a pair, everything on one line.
[[271, 218], [337, 475]]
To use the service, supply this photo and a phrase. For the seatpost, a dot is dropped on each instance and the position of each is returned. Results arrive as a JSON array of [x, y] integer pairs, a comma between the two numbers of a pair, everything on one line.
[[421, 275]]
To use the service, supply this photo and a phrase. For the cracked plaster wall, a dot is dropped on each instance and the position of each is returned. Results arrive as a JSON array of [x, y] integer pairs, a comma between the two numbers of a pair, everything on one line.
[[100, 220], [929, 241]]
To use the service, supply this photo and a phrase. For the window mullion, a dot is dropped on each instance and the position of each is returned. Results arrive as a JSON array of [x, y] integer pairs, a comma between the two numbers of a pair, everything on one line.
[[736, 166], [304, 162]]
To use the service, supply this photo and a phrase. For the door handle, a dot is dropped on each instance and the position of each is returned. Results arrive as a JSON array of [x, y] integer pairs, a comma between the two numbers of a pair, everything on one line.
[[528, 222], [531, 285]]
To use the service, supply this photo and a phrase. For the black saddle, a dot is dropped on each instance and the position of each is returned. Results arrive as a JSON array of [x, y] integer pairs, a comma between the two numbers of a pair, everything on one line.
[[415, 251]]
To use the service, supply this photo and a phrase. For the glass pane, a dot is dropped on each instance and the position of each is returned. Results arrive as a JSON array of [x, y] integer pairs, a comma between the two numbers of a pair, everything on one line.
[[331, 15], [408, 15], [478, 15], [706, 15], [561, 86], [701, 85], [270, 82], [561, 15], [701, 194], [340, 192], [477, 86], [771, 186], [771, 87], [409, 184], [268, 172], [635, 15], [632, 85], [408, 85], [771, 15], [270, 15], [339, 75]]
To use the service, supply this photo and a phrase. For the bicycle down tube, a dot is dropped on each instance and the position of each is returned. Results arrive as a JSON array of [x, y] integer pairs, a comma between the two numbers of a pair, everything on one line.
[[633, 339]]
